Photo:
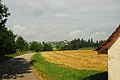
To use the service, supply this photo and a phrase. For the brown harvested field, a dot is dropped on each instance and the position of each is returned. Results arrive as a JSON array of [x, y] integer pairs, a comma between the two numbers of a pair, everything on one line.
[[80, 59]]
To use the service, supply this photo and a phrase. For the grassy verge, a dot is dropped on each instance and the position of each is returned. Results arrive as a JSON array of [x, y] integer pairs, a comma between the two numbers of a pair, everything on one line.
[[57, 72], [10, 56]]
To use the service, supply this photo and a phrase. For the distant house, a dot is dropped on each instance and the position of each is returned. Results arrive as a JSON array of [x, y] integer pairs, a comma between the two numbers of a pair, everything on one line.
[[112, 47]]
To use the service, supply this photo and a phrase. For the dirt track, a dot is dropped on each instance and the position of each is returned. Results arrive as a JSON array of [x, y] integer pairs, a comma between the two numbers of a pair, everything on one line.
[[17, 69]]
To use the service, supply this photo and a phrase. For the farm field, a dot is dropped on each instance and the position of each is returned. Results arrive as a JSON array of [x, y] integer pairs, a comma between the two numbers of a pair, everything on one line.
[[78, 59], [54, 71]]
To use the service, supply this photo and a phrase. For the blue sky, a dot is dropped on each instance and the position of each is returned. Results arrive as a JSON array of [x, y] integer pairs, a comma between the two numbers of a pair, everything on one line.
[[54, 20]]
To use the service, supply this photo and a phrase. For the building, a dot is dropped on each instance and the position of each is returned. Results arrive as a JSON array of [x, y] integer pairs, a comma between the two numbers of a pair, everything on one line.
[[112, 47]]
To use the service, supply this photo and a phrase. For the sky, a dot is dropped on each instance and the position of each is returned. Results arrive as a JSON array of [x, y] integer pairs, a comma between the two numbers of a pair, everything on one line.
[[56, 20]]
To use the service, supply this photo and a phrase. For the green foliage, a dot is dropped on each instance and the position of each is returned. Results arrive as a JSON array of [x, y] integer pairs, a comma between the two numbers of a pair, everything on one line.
[[65, 47], [57, 46], [7, 38], [81, 44], [58, 72], [60, 46], [54, 47], [35, 46], [21, 44], [47, 47], [4, 13], [74, 44]]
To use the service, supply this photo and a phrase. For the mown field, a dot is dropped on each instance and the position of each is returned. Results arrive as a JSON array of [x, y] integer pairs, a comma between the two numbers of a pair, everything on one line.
[[71, 65], [78, 59]]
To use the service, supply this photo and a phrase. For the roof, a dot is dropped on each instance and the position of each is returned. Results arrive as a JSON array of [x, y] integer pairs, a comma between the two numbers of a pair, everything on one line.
[[103, 48]]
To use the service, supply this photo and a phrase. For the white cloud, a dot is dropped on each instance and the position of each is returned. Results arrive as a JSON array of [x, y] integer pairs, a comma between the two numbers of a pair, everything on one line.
[[99, 35], [25, 31], [53, 36], [75, 34], [42, 19]]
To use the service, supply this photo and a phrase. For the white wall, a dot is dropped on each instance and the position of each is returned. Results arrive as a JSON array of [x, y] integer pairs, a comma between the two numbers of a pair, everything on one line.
[[114, 61]]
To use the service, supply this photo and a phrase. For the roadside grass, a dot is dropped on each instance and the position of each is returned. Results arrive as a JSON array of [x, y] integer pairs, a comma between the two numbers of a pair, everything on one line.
[[53, 71], [10, 56]]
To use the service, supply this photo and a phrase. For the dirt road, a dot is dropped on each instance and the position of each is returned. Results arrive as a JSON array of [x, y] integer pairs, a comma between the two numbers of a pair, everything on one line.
[[17, 68]]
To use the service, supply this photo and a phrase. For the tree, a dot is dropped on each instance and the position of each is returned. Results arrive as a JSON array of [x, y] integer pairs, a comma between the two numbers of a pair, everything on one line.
[[4, 13], [74, 44], [65, 47], [57, 46], [47, 47], [81, 43], [7, 38], [35, 46], [21, 44]]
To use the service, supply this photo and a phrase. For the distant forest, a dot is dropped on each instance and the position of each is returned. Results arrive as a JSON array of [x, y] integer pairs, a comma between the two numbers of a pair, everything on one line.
[[23, 45], [77, 44]]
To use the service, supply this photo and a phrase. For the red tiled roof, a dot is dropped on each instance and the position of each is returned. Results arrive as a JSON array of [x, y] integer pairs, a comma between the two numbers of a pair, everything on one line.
[[103, 48]]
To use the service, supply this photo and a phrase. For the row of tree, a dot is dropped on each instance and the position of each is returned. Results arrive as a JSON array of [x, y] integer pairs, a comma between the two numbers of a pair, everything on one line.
[[81, 43], [22, 45], [36, 46]]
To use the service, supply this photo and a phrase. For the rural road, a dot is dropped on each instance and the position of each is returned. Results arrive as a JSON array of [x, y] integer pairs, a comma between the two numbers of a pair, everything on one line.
[[17, 68]]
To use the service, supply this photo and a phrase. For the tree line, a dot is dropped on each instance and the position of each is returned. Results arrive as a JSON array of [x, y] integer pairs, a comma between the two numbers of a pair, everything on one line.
[[81, 43], [23, 45]]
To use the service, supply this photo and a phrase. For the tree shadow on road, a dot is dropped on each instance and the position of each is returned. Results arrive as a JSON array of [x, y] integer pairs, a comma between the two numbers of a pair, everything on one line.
[[14, 68], [99, 76], [4, 58]]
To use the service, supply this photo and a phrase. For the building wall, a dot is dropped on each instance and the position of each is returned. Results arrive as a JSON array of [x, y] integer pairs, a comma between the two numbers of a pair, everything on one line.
[[114, 61]]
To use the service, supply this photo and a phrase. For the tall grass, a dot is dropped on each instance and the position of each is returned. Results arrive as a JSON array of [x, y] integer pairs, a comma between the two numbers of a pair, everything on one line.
[[58, 72]]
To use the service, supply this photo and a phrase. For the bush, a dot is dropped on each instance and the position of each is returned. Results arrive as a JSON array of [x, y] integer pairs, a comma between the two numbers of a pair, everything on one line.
[[35, 46], [47, 47]]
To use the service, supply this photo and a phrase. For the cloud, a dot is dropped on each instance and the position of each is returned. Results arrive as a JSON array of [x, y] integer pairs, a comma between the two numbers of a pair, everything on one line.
[[54, 36], [63, 19], [99, 35], [76, 34], [31, 33], [25, 31]]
